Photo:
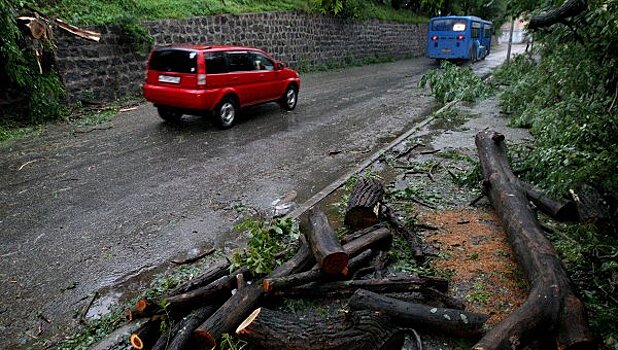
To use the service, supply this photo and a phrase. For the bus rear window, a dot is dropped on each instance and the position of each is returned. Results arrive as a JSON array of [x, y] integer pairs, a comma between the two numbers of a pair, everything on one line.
[[448, 25], [174, 60]]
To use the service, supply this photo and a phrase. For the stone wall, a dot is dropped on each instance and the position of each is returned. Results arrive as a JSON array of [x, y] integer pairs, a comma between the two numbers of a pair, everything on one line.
[[112, 69]]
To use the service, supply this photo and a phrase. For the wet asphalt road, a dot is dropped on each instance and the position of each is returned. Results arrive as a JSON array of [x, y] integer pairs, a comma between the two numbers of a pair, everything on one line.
[[83, 211]]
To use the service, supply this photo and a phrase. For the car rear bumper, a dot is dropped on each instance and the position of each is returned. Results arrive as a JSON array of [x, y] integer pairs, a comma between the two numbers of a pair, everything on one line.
[[197, 99]]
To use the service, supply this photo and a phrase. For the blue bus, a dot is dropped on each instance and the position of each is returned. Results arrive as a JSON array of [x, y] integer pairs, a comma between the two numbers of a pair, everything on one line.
[[459, 38]]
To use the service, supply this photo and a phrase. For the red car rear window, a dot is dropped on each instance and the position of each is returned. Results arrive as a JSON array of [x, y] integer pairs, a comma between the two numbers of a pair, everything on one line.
[[174, 60]]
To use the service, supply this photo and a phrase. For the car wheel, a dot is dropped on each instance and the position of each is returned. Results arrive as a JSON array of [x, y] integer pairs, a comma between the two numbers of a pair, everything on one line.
[[169, 115], [225, 113], [289, 98]]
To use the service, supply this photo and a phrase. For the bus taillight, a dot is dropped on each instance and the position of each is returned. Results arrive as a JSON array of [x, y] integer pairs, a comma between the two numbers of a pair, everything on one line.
[[434, 38], [460, 37]]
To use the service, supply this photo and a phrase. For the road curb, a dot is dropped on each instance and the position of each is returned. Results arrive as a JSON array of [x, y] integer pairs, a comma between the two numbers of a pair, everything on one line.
[[333, 186]]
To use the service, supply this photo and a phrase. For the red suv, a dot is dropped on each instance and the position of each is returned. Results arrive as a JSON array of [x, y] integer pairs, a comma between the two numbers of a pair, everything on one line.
[[221, 79]]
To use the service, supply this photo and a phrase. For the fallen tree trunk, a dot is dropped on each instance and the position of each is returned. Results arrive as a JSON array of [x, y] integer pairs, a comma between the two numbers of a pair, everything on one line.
[[228, 316], [326, 249], [446, 321], [357, 330], [551, 309], [363, 205], [271, 285], [561, 210], [398, 284], [559, 14]]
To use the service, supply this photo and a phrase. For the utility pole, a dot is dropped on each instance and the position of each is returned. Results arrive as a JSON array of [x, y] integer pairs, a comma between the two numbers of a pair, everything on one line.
[[508, 52]]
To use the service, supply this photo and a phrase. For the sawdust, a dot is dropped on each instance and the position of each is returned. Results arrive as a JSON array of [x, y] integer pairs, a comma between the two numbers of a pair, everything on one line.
[[474, 250]]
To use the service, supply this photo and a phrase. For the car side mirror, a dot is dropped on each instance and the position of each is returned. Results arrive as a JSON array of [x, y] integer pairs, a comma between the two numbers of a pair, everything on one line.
[[280, 65]]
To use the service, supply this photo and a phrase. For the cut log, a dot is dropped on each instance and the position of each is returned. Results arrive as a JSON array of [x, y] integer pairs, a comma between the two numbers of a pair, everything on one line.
[[551, 309], [228, 316], [180, 337], [354, 331], [559, 14], [299, 262], [143, 308], [146, 336], [445, 321], [118, 338], [213, 273], [410, 236], [396, 284], [357, 234], [561, 210], [379, 239], [271, 285], [363, 205], [216, 291], [324, 244]]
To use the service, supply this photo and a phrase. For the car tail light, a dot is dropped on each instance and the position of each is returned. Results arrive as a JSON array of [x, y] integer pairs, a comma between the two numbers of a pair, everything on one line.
[[460, 37], [201, 71], [434, 38], [201, 79]]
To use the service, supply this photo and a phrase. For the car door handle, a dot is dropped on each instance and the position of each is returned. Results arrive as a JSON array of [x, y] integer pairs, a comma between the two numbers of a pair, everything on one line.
[[261, 76], [234, 78]]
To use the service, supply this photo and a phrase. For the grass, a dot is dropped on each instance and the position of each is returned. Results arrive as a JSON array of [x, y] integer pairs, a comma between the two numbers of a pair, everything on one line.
[[97, 12], [11, 130]]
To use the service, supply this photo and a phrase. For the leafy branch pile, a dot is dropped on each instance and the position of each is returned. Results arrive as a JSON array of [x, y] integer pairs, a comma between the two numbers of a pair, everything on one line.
[[450, 83]]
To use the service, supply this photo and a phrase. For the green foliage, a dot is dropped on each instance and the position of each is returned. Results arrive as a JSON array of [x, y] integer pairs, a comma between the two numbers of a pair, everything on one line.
[[42, 93], [267, 238], [94, 330], [450, 83], [479, 294], [590, 257], [230, 342], [135, 34], [11, 130]]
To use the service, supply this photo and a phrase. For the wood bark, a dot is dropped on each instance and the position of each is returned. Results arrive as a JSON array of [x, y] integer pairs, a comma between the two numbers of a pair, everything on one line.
[[363, 205], [593, 208], [411, 237], [396, 284], [271, 285], [213, 273], [379, 239], [359, 233], [354, 331], [228, 316], [561, 210], [568, 9], [551, 309], [446, 321], [326, 249]]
